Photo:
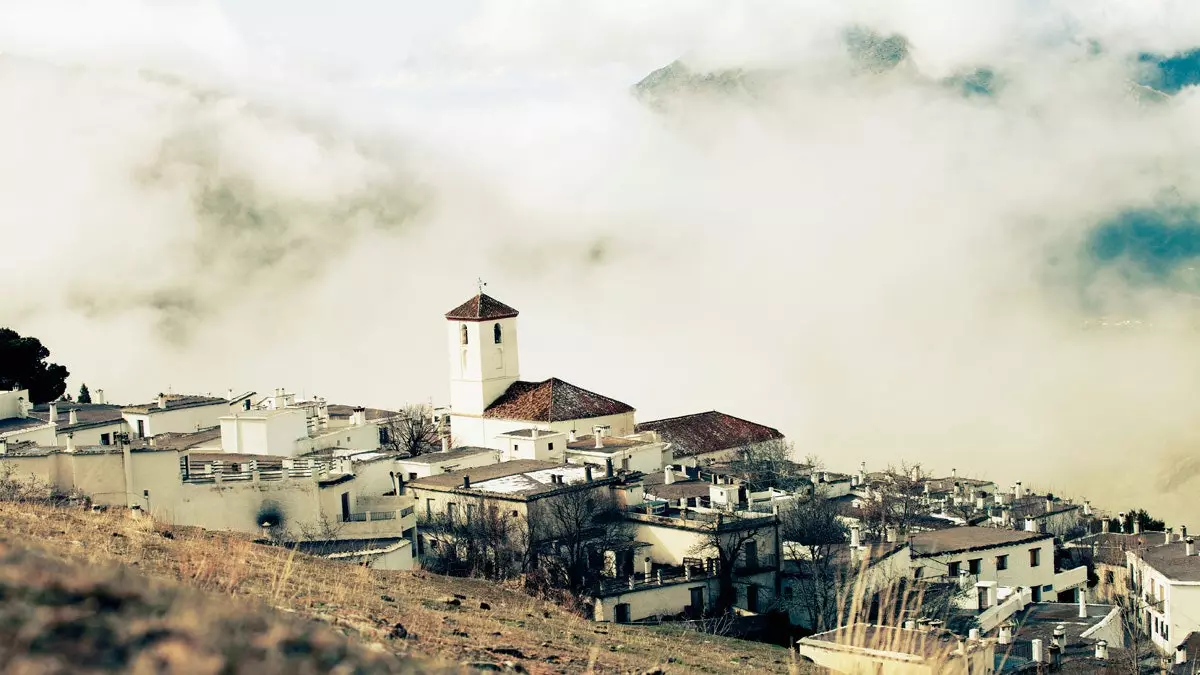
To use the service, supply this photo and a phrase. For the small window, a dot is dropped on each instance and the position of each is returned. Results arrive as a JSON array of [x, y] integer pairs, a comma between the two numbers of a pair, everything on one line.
[[104, 439], [917, 571], [952, 568], [1109, 577], [497, 334], [975, 565], [550, 445], [452, 510], [433, 544], [1001, 562], [514, 514], [470, 512], [1035, 557], [412, 475], [462, 334]]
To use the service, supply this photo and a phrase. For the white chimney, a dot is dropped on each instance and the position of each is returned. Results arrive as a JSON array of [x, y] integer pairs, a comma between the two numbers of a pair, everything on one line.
[[648, 567], [909, 624], [1137, 525], [1031, 525], [53, 413], [862, 473], [571, 436], [1180, 655], [98, 397], [855, 536], [1036, 644], [162, 401], [890, 534], [72, 416], [668, 475], [445, 444], [1082, 603], [1167, 536], [1121, 522], [70, 442], [599, 433], [1059, 636], [1018, 491], [1189, 547], [1182, 532], [1087, 507], [1005, 637], [973, 634], [1102, 650], [1104, 526], [954, 474], [533, 433]]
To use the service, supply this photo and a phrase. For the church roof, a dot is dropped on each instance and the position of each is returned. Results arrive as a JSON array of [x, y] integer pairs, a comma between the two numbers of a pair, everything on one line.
[[706, 432], [482, 307], [552, 400]]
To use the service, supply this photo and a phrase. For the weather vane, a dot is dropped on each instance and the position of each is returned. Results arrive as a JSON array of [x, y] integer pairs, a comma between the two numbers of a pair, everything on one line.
[[481, 283]]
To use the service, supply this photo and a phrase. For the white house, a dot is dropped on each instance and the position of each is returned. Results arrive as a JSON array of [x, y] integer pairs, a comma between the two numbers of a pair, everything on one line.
[[52, 424], [434, 463], [487, 396], [175, 414], [1166, 588]]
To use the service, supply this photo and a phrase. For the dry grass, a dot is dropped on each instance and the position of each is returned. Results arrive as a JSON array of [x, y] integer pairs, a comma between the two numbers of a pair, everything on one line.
[[368, 604]]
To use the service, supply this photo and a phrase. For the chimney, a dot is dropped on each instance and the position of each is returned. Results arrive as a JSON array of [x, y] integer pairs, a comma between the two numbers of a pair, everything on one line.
[[1167, 536], [608, 467], [1005, 637], [1104, 525], [1121, 522], [862, 473], [909, 624], [1181, 654], [648, 567], [1018, 491], [571, 436], [1055, 657], [533, 433], [99, 397], [1036, 645], [1137, 525], [1189, 546], [979, 503], [1182, 532], [668, 475], [70, 442], [466, 482], [1087, 507], [954, 475], [445, 444], [890, 534], [1102, 650], [973, 635], [54, 413], [855, 536], [162, 401], [599, 433], [1031, 525], [587, 472], [1060, 636], [72, 416], [1082, 602], [1049, 503]]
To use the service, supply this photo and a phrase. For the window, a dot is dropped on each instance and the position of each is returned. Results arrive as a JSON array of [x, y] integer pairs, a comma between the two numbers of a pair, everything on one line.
[[412, 475], [1035, 557], [104, 439], [952, 568], [1108, 577], [470, 512], [428, 507], [384, 436], [917, 572], [462, 334], [496, 333], [1001, 562], [550, 446], [433, 544], [975, 565], [514, 513], [452, 511]]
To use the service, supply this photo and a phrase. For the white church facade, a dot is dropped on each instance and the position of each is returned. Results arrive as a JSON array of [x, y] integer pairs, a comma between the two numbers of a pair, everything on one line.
[[489, 401]]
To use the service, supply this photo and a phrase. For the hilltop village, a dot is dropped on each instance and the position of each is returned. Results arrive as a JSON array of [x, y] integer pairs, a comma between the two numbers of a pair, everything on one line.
[[704, 518]]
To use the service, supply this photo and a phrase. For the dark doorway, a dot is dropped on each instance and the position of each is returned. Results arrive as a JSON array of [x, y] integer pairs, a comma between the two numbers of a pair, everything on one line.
[[345, 507], [622, 613], [1037, 593], [752, 598], [696, 609], [141, 428], [751, 553], [981, 598]]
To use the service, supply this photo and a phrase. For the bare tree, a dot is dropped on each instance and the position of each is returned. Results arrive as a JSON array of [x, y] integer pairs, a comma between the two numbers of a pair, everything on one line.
[[481, 541], [573, 525], [724, 537], [813, 536], [897, 499], [413, 431], [767, 464]]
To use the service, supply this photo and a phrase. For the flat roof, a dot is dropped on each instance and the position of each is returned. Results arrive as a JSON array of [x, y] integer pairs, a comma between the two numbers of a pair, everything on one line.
[[517, 478], [955, 539], [431, 458]]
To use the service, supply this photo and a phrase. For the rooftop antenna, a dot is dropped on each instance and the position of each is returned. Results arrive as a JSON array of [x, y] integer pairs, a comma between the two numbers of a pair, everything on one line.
[[480, 283]]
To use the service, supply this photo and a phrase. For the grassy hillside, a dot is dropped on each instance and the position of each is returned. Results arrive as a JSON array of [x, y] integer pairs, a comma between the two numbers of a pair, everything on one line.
[[125, 594]]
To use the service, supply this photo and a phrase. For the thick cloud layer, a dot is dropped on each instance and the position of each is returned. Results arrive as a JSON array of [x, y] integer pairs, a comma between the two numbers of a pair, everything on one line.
[[893, 231]]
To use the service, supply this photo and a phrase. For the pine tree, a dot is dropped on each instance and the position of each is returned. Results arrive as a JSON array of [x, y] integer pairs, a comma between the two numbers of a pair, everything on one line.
[[85, 396]]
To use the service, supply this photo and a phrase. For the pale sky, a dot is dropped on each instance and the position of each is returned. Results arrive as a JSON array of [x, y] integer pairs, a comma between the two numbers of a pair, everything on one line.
[[208, 195]]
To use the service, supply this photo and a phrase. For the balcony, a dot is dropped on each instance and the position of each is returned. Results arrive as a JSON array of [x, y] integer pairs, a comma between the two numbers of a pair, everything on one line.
[[375, 524], [1068, 579]]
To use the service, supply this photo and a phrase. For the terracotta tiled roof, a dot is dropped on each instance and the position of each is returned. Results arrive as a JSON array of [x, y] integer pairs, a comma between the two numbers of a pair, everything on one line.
[[481, 308], [552, 400], [708, 432]]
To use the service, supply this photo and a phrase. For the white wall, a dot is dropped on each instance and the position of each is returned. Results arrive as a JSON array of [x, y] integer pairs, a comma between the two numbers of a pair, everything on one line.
[[180, 420], [1019, 572], [43, 435], [423, 470], [11, 403], [648, 458], [482, 431], [363, 437], [276, 432], [91, 435], [481, 370], [670, 545]]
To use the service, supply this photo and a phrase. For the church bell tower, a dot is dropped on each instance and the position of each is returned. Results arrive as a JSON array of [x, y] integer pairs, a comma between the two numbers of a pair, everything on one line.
[[482, 335]]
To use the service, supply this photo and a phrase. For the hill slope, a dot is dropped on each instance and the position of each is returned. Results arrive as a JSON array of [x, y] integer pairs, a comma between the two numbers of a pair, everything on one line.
[[146, 607]]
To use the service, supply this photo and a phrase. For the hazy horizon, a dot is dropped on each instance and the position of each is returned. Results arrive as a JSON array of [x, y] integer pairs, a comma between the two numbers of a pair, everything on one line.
[[888, 252]]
